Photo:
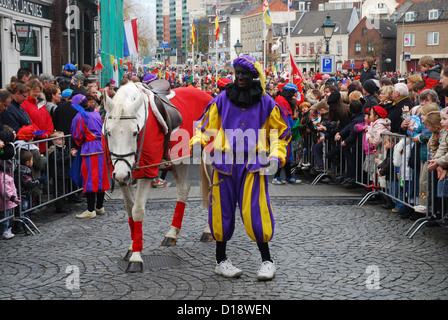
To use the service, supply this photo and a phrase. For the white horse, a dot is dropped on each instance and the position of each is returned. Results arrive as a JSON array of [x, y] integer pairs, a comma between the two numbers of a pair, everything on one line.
[[135, 129]]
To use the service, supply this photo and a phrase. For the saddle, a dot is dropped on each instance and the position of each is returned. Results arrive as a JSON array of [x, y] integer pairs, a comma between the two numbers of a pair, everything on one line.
[[171, 115]]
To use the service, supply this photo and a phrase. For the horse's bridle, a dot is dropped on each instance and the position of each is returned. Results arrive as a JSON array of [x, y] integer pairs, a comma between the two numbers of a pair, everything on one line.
[[122, 157]]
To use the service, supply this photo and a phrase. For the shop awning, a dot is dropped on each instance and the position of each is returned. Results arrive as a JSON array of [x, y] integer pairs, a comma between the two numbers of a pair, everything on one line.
[[346, 65]]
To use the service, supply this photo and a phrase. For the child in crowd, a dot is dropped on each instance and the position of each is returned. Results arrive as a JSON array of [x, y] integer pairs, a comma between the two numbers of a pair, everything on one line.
[[8, 192], [59, 164], [431, 71], [380, 125], [369, 149], [422, 139], [438, 160], [25, 182], [28, 185], [25, 136], [384, 166]]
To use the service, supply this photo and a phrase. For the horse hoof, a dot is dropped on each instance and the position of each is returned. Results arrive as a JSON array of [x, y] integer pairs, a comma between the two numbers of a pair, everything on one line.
[[128, 255], [169, 242], [134, 267], [206, 237]]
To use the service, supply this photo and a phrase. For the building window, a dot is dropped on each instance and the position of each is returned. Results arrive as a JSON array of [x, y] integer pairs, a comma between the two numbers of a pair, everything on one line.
[[364, 31], [297, 49], [304, 49], [321, 7], [433, 14], [337, 6], [357, 47], [339, 47], [301, 6], [370, 47], [409, 16], [409, 39], [312, 48], [433, 39]]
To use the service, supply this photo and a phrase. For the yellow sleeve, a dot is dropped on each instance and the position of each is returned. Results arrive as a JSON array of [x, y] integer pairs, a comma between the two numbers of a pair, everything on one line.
[[279, 136], [207, 126]]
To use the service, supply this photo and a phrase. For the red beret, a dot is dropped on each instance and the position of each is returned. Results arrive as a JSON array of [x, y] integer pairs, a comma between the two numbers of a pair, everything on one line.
[[26, 133], [223, 82], [318, 76], [382, 113], [357, 77]]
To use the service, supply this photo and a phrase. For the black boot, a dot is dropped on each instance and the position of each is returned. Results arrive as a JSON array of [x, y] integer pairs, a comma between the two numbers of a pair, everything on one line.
[[388, 203]]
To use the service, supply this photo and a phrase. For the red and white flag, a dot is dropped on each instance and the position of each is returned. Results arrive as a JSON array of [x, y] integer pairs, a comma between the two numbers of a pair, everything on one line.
[[296, 75]]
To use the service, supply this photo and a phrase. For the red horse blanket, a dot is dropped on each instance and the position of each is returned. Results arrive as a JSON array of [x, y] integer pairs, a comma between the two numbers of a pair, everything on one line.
[[191, 103]]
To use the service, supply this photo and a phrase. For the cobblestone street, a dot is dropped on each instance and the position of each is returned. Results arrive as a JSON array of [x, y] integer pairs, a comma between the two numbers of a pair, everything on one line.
[[323, 250]]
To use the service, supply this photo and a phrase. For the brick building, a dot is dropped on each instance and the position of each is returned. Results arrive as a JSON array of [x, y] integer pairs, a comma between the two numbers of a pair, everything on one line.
[[420, 32], [376, 39], [82, 18]]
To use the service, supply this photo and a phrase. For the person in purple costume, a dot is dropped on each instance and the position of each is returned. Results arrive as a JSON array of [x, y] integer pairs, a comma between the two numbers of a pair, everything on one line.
[[86, 130], [250, 134]]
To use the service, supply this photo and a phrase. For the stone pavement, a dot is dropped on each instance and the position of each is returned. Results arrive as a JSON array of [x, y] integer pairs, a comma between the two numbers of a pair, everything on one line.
[[325, 247]]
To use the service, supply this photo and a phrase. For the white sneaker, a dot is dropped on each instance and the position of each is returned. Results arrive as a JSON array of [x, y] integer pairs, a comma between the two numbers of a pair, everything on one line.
[[267, 270], [227, 269], [278, 180], [86, 215], [101, 211], [8, 234], [420, 209]]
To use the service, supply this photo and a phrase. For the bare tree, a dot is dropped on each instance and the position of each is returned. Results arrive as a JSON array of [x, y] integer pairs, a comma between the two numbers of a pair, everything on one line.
[[134, 9]]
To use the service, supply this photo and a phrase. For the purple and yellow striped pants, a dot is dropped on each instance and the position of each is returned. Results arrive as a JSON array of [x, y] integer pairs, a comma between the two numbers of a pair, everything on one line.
[[250, 191]]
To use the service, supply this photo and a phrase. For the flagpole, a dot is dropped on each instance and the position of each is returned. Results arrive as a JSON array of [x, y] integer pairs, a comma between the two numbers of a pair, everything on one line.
[[216, 43], [264, 45], [192, 57], [289, 37]]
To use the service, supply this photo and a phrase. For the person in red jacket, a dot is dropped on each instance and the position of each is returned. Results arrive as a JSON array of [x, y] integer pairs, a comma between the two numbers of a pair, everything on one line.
[[36, 109]]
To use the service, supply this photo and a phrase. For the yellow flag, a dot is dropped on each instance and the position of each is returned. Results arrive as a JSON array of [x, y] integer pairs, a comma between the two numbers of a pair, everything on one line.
[[266, 14], [193, 34], [216, 26]]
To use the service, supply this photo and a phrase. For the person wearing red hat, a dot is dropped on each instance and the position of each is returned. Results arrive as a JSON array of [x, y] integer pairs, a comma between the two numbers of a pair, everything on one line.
[[380, 124], [222, 82], [25, 136]]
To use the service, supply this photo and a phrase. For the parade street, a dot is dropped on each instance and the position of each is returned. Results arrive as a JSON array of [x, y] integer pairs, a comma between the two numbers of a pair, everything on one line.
[[325, 246]]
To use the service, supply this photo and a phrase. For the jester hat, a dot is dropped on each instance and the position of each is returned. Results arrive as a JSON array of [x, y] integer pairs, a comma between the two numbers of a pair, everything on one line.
[[253, 66], [77, 102], [150, 78]]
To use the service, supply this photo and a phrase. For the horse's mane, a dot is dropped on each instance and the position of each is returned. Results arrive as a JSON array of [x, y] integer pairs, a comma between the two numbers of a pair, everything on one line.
[[124, 97]]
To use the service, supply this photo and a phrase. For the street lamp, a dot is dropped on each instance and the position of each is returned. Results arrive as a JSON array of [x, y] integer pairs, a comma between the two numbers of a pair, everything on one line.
[[238, 47], [327, 30], [23, 33]]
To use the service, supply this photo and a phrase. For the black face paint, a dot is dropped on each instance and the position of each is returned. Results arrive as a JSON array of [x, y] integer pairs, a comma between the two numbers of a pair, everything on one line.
[[243, 77]]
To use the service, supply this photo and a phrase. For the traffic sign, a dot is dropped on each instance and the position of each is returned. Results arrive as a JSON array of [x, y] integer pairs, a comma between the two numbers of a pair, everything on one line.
[[327, 63]]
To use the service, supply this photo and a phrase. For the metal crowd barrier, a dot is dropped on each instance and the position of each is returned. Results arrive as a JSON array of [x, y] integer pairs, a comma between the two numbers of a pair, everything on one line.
[[403, 185], [53, 189]]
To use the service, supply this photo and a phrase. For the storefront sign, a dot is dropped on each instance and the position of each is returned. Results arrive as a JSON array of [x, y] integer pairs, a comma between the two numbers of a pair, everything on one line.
[[28, 8]]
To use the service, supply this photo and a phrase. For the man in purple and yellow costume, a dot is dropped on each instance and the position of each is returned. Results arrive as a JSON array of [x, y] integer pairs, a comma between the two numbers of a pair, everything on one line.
[[250, 137]]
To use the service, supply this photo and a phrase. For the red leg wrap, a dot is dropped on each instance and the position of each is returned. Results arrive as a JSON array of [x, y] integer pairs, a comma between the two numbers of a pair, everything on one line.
[[137, 244], [131, 226], [178, 215]]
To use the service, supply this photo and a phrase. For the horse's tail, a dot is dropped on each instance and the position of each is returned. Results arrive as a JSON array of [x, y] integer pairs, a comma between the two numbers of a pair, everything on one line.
[[205, 184]]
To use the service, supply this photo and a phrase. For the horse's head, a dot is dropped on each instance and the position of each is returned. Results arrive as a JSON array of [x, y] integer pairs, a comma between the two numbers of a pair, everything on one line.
[[125, 117]]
